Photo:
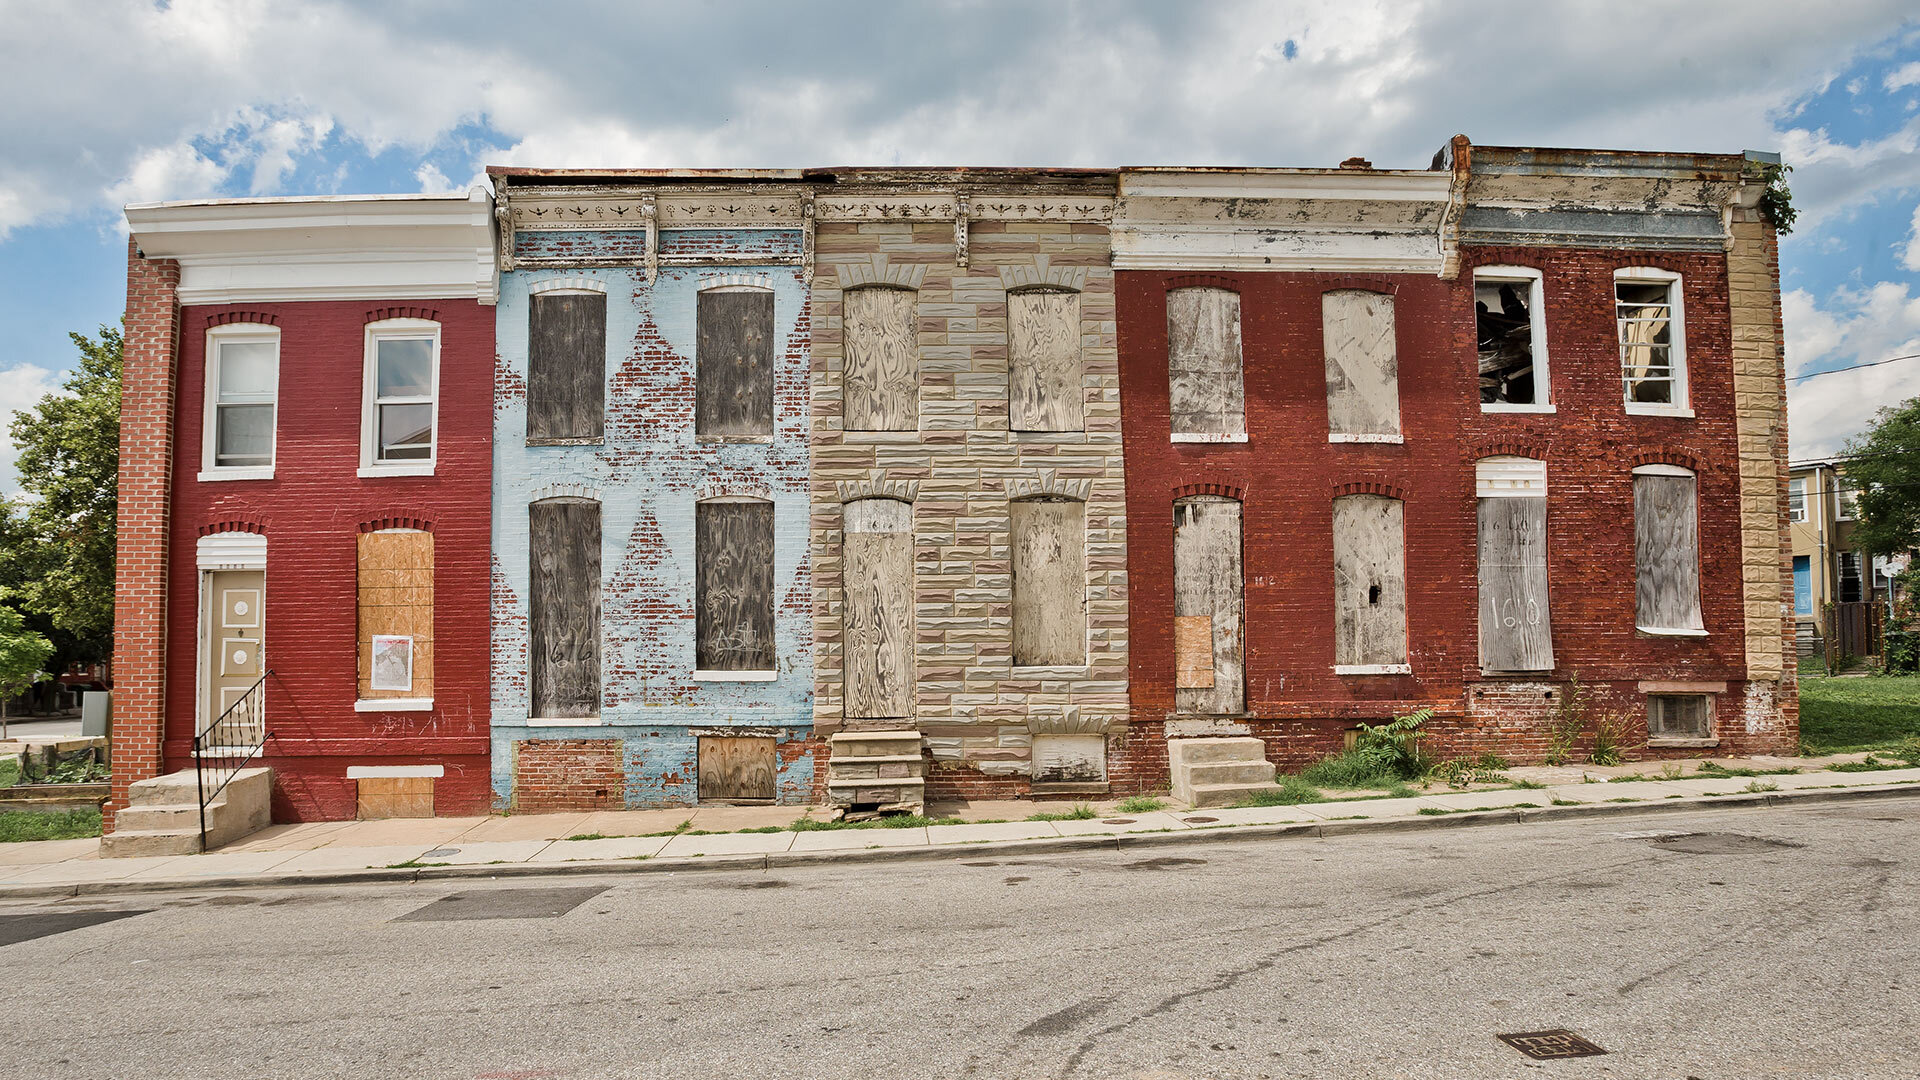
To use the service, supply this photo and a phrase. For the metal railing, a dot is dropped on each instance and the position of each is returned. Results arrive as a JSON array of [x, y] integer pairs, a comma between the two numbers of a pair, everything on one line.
[[223, 748]]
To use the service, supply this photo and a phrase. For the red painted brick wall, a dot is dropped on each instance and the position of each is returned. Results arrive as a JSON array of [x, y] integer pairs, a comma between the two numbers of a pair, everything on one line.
[[311, 513], [554, 776], [1288, 474], [140, 581]]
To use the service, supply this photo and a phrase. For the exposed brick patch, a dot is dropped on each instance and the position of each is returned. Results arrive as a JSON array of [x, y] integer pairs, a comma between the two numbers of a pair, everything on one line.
[[567, 775]]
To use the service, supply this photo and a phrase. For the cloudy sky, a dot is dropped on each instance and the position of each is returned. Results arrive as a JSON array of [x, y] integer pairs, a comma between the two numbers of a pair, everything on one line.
[[117, 101]]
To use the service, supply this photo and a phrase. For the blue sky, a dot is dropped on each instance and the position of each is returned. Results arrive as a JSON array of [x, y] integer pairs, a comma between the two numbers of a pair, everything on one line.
[[199, 98]]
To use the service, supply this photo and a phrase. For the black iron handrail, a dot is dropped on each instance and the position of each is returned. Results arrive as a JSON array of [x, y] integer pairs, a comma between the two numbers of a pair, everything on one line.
[[240, 733]]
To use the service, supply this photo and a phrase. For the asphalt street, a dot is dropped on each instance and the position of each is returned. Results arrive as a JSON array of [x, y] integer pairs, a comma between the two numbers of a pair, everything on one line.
[[1718, 945]]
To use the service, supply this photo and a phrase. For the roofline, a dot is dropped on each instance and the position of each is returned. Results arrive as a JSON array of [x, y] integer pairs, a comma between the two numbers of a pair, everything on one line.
[[307, 200]]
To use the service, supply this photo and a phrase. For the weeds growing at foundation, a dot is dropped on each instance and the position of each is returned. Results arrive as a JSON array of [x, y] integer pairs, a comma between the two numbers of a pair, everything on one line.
[[17, 825], [1079, 812], [1286, 791], [1716, 771], [891, 821], [1527, 785], [1383, 755], [1141, 804], [1465, 772]]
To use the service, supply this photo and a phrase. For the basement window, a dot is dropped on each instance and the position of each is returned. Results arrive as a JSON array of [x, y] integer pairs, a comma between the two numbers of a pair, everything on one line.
[[1510, 323], [1684, 717]]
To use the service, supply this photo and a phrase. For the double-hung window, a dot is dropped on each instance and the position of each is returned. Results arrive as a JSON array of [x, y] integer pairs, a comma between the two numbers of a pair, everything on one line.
[[1509, 314], [243, 386], [400, 393], [1653, 341]]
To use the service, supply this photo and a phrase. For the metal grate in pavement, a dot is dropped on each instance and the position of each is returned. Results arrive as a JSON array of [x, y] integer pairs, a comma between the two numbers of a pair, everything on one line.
[[504, 904], [1550, 1045]]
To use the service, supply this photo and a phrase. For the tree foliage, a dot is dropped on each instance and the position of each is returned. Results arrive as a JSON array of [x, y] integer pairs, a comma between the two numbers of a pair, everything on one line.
[[57, 546], [1883, 466], [23, 654]]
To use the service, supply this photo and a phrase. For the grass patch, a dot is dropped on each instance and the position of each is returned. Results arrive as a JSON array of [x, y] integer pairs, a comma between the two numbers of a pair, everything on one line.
[[1286, 791], [1564, 802], [1431, 811], [413, 863], [1756, 787], [1079, 812], [892, 821], [675, 831], [1527, 785], [589, 836], [9, 770], [19, 825], [1141, 804], [1875, 713], [1716, 771]]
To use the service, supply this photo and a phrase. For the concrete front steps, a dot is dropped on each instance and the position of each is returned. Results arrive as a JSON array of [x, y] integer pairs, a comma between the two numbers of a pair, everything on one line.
[[876, 770], [1217, 772], [163, 814]]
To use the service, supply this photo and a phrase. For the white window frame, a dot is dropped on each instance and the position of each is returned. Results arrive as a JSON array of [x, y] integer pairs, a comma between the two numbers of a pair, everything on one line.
[[396, 330], [1537, 317], [1846, 499], [210, 413], [1682, 404], [1797, 499]]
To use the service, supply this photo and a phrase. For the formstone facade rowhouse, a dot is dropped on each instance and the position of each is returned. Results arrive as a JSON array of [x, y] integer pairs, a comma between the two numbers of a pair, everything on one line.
[[869, 486]]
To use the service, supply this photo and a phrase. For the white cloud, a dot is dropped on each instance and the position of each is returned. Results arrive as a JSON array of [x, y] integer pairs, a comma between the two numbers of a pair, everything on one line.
[[21, 386], [1903, 76], [1855, 326], [167, 172], [1910, 258]]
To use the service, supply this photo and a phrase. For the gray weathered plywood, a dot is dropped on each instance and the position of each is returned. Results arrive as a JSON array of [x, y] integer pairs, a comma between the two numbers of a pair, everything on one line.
[[877, 609], [1516, 627], [1207, 583], [1043, 361], [1667, 552], [1363, 370], [567, 366], [880, 387], [1204, 384], [1069, 759], [1369, 581], [564, 546], [1049, 582], [733, 394], [736, 768], [733, 586]]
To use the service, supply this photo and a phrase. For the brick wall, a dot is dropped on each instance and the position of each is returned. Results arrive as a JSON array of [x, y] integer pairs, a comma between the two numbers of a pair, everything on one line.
[[147, 392], [312, 513], [568, 775]]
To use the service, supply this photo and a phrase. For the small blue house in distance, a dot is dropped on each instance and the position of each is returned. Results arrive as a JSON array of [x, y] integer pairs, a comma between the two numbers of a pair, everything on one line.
[[652, 634]]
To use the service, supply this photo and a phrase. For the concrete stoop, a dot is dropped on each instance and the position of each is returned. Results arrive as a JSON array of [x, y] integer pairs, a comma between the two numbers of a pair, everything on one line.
[[876, 769], [1217, 772], [163, 814]]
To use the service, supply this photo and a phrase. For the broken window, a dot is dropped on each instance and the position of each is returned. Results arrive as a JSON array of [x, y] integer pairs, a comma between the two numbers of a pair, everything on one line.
[[1679, 716], [1516, 628], [880, 379], [1666, 540], [1509, 317], [876, 610], [1209, 614], [733, 584], [1653, 367], [566, 366], [564, 595], [1049, 581], [1043, 361], [1363, 374], [1205, 394], [733, 363], [1369, 586]]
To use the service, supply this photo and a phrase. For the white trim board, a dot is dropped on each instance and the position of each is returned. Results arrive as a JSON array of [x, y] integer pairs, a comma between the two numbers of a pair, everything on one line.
[[394, 772]]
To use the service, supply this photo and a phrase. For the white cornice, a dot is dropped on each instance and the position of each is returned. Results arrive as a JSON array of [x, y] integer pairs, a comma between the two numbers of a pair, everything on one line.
[[343, 247]]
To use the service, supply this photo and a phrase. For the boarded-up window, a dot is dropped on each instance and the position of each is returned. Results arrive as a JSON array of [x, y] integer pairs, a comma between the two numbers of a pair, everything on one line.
[[880, 384], [1679, 716], [564, 654], [1516, 630], [1363, 371], [1205, 394], [1069, 759], [736, 769], [396, 614], [1043, 361], [877, 608], [1369, 584], [1666, 543], [734, 363], [1049, 581], [1208, 610], [733, 585], [566, 366]]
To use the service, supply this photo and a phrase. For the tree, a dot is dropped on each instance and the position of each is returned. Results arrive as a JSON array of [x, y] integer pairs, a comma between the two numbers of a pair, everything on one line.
[[59, 551], [1883, 466], [23, 655]]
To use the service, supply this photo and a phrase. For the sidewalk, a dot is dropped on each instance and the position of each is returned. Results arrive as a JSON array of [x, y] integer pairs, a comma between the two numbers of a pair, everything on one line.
[[423, 848]]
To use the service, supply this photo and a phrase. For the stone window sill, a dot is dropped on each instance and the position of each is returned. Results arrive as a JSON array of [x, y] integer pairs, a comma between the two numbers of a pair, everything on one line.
[[1209, 437], [409, 704], [1682, 743], [210, 476], [564, 721], [1373, 669], [1664, 631], [735, 676]]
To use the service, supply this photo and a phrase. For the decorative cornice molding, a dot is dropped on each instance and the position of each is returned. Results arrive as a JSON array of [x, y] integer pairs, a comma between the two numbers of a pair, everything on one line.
[[876, 487], [1067, 720], [1041, 273], [877, 269], [1049, 482]]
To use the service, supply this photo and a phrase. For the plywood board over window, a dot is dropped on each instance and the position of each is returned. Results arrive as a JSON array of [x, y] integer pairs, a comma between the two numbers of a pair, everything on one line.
[[1369, 584], [733, 585], [733, 395], [396, 602], [1049, 582], [736, 769], [1516, 625], [566, 366], [1363, 369], [1208, 609], [1044, 371], [880, 383], [565, 648], [1204, 387], [877, 609], [1666, 543]]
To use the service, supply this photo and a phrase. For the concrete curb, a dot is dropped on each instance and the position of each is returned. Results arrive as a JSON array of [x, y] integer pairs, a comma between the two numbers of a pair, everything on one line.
[[972, 849]]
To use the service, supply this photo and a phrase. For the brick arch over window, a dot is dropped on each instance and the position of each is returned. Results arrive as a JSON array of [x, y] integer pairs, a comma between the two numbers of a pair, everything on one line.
[[1229, 489], [1525, 448], [223, 318], [1201, 281], [1665, 455], [242, 525], [375, 315], [1387, 488], [1334, 282], [396, 521]]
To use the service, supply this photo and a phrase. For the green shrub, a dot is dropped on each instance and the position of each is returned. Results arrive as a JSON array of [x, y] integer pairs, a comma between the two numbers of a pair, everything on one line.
[[1383, 755], [1141, 804]]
